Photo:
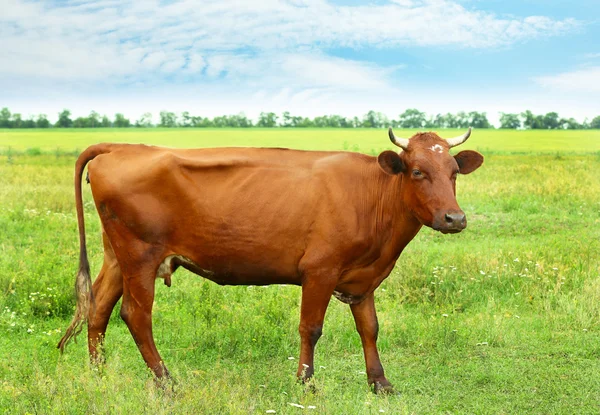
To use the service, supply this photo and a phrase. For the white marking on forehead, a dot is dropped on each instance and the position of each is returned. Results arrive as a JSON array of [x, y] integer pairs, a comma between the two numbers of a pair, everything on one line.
[[437, 148]]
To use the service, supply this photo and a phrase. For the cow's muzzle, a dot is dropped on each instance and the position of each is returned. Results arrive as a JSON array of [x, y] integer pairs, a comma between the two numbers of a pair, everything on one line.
[[450, 222]]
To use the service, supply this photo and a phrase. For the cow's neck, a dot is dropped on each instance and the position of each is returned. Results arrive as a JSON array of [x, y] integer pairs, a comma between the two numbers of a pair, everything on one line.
[[398, 225]]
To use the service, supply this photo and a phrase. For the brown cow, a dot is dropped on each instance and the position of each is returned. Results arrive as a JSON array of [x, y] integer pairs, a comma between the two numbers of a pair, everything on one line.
[[332, 222]]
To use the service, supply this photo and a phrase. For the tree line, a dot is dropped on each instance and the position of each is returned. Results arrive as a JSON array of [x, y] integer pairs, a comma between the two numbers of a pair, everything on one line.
[[411, 118]]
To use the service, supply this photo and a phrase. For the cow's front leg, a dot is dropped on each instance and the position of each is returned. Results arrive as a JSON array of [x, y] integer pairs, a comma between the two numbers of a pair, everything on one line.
[[316, 294], [365, 318]]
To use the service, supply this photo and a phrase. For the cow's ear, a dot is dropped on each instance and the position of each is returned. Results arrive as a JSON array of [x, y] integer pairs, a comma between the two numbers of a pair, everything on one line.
[[468, 161], [390, 162]]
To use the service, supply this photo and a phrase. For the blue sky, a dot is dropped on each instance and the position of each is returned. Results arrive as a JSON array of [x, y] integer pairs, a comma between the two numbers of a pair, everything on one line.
[[309, 57]]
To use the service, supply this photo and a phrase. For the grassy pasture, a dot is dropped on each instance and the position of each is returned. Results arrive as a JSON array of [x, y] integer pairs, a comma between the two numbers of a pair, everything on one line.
[[364, 140], [502, 318]]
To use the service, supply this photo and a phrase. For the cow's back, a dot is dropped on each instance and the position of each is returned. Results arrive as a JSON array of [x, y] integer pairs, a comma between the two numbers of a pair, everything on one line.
[[245, 215]]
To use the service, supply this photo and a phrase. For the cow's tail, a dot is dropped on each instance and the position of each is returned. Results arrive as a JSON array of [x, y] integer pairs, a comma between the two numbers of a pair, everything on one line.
[[83, 282]]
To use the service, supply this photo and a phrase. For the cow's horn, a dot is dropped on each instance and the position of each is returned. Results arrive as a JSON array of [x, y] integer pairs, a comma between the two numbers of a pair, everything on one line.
[[400, 142], [452, 142]]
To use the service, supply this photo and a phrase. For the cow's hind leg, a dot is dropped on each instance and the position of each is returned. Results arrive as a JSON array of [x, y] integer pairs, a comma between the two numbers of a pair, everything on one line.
[[136, 311], [107, 290], [365, 318]]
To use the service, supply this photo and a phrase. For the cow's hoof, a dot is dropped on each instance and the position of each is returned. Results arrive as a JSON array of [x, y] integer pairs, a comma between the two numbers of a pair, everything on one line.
[[384, 388], [311, 388], [165, 384]]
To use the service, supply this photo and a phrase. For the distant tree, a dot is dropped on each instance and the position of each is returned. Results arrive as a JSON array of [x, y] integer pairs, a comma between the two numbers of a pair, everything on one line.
[[81, 122], [569, 124], [585, 125], [106, 123], [511, 121], [242, 121], [231, 121], [478, 120], [450, 121], [201, 122], [532, 121], [551, 121], [286, 120], [412, 118], [42, 121], [185, 120], [145, 121], [28, 123], [345, 122], [64, 119], [220, 121], [429, 122], [437, 121], [121, 121], [374, 119], [539, 122], [462, 120], [5, 118], [370, 120], [267, 120], [17, 122], [94, 120], [304, 122], [320, 121], [168, 119]]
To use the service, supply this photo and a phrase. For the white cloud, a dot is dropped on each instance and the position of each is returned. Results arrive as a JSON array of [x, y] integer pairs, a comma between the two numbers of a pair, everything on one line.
[[236, 54], [585, 80], [101, 39], [324, 71]]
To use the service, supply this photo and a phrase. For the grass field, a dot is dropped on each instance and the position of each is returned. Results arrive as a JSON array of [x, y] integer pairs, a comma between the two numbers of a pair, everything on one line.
[[364, 140], [503, 318]]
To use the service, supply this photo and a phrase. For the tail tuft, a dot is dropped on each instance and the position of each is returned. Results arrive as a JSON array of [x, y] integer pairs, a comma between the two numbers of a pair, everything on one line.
[[83, 292]]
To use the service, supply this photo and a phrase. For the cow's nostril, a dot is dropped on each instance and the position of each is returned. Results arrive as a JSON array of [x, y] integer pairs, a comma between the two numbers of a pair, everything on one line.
[[455, 219]]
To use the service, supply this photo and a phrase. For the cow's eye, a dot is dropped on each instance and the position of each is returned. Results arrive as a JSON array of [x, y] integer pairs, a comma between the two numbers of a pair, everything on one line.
[[417, 173]]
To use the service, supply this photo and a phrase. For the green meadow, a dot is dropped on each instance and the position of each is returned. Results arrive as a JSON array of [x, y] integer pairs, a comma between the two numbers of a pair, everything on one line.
[[503, 318]]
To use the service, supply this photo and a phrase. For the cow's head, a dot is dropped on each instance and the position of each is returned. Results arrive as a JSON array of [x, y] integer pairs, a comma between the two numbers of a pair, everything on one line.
[[429, 177]]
